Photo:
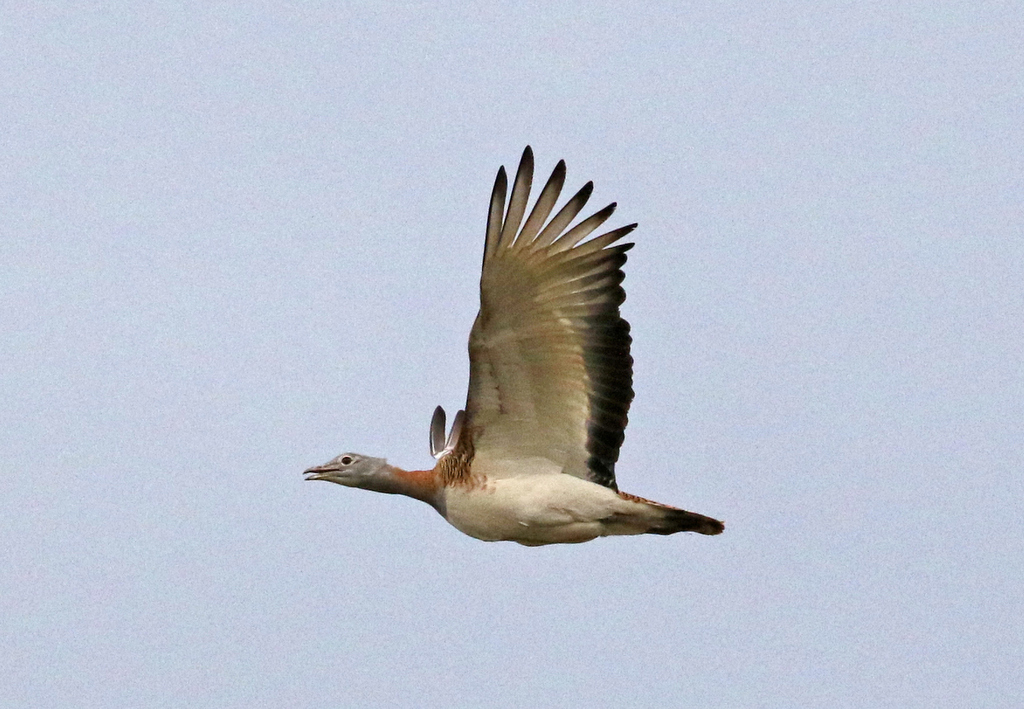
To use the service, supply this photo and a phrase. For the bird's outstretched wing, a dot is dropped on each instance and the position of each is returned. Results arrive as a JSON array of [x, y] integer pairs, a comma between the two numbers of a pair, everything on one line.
[[550, 369]]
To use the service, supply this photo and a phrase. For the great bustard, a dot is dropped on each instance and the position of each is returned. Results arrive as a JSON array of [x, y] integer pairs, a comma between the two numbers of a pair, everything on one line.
[[532, 458]]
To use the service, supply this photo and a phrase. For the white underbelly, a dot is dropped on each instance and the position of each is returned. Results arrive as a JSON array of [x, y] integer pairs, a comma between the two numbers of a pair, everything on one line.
[[547, 508]]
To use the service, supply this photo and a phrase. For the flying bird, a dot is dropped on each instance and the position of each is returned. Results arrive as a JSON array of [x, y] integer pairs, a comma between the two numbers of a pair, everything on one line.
[[532, 457]]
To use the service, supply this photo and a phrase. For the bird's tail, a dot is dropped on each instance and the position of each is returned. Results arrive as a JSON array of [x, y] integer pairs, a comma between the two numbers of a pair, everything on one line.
[[682, 521], [669, 520]]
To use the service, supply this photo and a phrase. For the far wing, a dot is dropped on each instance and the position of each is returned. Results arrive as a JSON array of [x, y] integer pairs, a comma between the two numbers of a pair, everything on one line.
[[550, 369]]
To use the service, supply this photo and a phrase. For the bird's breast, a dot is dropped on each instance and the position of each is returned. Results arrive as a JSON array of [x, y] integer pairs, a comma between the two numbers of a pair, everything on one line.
[[545, 508]]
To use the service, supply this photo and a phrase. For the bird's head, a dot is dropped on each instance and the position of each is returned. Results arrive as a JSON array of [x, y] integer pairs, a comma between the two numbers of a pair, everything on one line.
[[351, 470]]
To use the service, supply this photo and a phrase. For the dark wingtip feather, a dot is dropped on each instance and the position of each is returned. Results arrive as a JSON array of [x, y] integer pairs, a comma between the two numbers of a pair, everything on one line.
[[495, 213]]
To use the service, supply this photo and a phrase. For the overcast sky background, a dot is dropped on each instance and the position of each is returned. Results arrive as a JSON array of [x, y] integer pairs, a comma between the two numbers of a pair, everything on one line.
[[239, 238]]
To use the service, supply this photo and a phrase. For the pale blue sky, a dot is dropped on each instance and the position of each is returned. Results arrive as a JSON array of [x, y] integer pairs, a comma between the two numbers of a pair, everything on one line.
[[237, 239]]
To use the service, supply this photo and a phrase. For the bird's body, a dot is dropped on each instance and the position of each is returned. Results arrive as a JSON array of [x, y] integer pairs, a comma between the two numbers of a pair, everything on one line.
[[537, 508], [549, 508], [532, 459]]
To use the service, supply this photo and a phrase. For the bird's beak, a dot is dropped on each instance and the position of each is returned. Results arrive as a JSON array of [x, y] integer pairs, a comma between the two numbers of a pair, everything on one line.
[[320, 472]]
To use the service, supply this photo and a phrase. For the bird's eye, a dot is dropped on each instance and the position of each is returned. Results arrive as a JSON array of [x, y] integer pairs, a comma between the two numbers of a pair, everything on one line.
[[346, 460]]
